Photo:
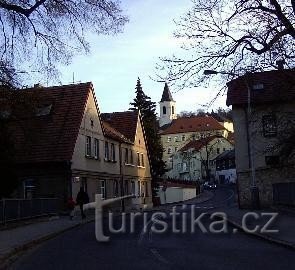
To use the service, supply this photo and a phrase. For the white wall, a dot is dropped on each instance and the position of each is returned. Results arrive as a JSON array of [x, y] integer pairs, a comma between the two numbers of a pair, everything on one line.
[[176, 194]]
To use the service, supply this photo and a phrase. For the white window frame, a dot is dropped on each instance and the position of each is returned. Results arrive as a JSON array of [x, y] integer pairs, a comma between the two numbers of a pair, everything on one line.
[[106, 150], [96, 148], [88, 146], [113, 152], [103, 188]]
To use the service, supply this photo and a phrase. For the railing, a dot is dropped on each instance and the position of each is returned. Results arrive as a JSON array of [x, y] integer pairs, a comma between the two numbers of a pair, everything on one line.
[[19, 209]]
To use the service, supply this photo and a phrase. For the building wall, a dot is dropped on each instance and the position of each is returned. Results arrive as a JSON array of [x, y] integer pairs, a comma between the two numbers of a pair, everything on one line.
[[176, 194], [262, 146], [194, 169], [181, 139], [92, 171]]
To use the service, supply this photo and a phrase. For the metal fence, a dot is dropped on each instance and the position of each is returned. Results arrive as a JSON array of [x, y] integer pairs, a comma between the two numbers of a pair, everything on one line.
[[18, 209], [284, 193]]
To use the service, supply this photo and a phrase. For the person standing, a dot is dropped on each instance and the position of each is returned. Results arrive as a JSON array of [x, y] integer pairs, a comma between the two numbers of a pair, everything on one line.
[[71, 207], [82, 198]]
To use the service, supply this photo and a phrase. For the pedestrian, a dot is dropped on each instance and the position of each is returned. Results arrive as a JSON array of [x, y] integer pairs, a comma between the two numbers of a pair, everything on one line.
[[71, 207], [82, 198]]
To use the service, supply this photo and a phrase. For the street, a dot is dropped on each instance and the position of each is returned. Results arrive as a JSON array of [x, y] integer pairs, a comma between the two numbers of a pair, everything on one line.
[[78, 248]]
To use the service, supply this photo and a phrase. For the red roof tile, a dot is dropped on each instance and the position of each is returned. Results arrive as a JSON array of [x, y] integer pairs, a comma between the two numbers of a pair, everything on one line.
[[111, 132], [192, 124], [275, 86], [123, 122], [51, 137]]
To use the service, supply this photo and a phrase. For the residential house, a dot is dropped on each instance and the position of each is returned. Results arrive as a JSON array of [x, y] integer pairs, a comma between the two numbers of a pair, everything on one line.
[[226, 168], [264, 135], [177, 132], [196, 160], [65, 145]]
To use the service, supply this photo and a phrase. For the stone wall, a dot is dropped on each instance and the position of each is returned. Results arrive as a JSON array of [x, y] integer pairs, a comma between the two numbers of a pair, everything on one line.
[[265, 178]]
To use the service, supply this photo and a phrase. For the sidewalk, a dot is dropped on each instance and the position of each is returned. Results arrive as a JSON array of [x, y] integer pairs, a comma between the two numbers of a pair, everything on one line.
[[13, 241], [284, 223]]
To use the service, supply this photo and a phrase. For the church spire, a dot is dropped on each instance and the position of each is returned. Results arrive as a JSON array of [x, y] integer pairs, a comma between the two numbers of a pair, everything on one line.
[[166, 96]]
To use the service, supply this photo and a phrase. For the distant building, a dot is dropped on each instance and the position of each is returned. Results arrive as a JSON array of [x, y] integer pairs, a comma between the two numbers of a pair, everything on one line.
[[197, 158], [226, 168], [67, 144], [267, 132], [177, 132]]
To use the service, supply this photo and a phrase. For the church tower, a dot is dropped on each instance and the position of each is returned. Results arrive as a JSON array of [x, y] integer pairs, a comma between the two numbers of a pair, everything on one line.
[[167, 107]]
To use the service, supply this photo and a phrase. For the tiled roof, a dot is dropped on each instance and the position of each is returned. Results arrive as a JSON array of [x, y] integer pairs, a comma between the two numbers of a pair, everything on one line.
[[271, 86], [198, 144], [166, 96], [110, 132], [51, 137], [193, 124], [123, 122]]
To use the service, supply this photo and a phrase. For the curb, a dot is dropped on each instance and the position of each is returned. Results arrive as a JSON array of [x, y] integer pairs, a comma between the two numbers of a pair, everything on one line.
[[262, 236], [12, 256]]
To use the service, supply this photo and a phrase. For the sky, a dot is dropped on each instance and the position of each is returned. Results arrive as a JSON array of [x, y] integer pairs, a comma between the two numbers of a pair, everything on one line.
[[115, 62]]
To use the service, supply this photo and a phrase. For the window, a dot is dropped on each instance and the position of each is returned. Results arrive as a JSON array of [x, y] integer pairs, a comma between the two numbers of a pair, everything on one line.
[[138, 160], [126, 156], [224, 149], [106, 151], [269, 124], [142, 160], [29, 188], [96, 148], [91, 123], [126, 188], [218, 150], [43, 110], [169, 150], [88, 146], [138, 189], [133, 187], [172, 109], [146, 189], [103, 189], [169, 139], [258, 86], [113, 152], [176, 149], [115, 188], [164, 110], [176, 138], [183, 138], [131, 157]]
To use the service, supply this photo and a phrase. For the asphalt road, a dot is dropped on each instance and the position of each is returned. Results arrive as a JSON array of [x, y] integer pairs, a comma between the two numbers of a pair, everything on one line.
[[78, 249]]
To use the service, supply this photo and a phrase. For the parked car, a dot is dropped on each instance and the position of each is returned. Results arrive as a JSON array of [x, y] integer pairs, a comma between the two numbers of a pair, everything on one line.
[[208, 185]]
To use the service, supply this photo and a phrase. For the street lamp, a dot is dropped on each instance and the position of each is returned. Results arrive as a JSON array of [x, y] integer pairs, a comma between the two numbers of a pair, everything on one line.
[[253, 187]]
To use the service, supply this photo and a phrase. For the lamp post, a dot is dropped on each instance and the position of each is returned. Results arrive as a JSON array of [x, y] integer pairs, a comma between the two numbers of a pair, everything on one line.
[[253, 187]]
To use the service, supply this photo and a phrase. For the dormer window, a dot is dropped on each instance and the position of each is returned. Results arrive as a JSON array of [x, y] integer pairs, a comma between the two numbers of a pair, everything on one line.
[[172, 109], [258, 86], [43, 110], [91, 123]]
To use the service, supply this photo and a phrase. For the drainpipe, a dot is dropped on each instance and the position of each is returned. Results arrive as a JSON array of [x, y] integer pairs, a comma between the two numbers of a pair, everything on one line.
[[121, 177]]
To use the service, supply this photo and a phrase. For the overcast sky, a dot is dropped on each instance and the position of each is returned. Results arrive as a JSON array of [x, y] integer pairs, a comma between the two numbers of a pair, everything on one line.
[[115, 62]]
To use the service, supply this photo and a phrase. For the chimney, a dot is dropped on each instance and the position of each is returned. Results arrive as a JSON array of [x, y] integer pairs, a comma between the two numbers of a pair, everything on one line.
[[280, 64], [38, 85]]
